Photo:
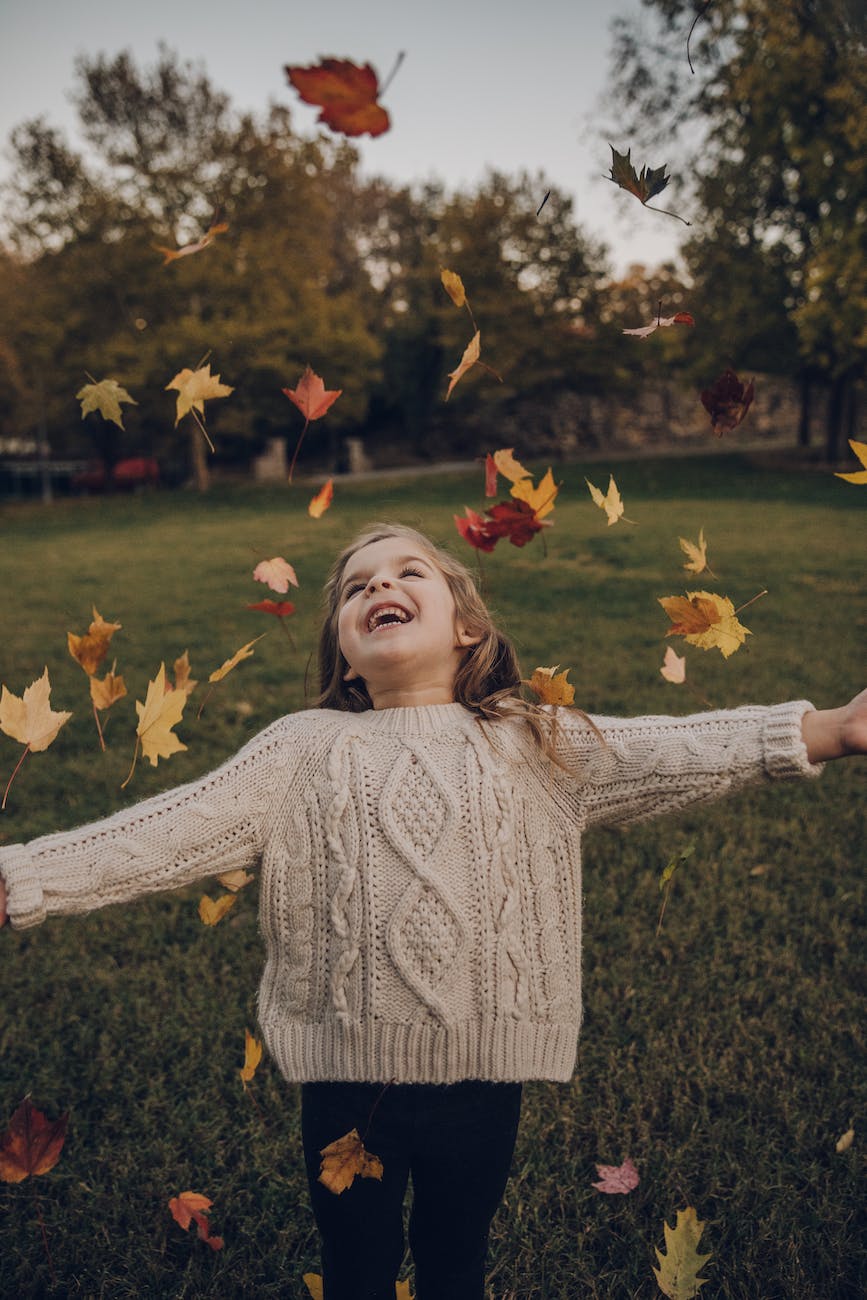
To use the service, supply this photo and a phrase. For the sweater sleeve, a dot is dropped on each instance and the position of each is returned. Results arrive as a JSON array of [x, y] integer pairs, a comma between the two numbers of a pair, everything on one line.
[[652, 765], [211, 825]]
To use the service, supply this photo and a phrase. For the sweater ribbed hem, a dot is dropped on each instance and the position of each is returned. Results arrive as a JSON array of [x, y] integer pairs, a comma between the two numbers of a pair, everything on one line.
[[497, 1050], [25, 901], [785, 753]]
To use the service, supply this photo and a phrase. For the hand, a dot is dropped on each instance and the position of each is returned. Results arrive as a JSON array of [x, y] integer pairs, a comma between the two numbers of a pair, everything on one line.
[[853, 727], [836, 733]]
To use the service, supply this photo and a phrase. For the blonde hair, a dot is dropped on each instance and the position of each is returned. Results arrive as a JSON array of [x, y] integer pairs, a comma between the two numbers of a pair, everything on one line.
[[488, 681]]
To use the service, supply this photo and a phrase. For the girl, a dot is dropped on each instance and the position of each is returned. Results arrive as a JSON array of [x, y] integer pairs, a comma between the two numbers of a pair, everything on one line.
[[419, 837]]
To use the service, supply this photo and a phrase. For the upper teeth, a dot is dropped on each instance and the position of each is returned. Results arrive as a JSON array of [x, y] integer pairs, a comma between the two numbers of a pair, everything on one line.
[[379, 616]]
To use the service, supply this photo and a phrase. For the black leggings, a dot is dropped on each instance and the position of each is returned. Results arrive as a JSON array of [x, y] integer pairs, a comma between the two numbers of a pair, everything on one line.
[[457, 1142]]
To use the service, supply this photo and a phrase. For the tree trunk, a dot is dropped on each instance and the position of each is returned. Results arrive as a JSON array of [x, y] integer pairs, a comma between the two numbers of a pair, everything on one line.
[[851, 423], [836, 407], [806, 410], [199, 474]]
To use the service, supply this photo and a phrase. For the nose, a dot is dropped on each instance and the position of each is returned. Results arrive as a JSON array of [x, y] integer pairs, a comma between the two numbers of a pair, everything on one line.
[[376, 581]]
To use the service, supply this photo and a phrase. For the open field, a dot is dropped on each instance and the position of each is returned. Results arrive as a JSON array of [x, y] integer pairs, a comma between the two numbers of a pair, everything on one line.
[[725, 1056]]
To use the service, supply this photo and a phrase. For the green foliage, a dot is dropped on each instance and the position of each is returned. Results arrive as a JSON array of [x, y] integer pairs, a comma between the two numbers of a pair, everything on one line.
[[725, 1057]]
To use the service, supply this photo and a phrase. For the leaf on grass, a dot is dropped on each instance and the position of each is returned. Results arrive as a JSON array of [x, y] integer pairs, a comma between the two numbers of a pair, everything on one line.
[[679, 1266], [311, 396], [212, 910], [540, 499], [161, 711], [107, 692], [320, 503], [244, 653], [650, 181], [673, 666], [279, 608], [858, 475], [727, 401], [705, 620], [551, 686], [611, 503], [454, 287], [172, 254], [697, 561], [471, 355], [189, 1208], [845, 1141], [29, 719], [343, 1159], [313, 1282], [276, 574], [617, 1178], [31, 1144], [345, 93], [194, 388], [252, 1057], [679, 318], [90, 650], [105, 397]]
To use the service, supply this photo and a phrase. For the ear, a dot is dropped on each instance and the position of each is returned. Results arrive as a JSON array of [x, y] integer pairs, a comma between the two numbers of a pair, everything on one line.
[[464, 639]]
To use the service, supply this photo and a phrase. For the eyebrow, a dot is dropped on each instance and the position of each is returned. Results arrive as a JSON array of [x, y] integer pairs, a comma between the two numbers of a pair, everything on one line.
[[403, 559]]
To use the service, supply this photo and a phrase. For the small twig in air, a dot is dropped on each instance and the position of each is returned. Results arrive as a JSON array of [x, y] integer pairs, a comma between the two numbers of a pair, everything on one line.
[[390, 78], [542, 204], [701, 13]]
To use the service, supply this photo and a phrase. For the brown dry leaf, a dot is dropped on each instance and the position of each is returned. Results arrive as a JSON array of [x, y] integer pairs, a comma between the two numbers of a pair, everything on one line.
[[551, 686], [213, 910], [343, 1159], [29, 719], [471, 355], [107, 692], [454, 287], [31, 1145], [183, 681], [90, 650]]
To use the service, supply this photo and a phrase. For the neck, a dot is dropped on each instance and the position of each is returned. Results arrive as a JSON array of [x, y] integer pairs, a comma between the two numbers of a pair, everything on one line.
[[397, 695]]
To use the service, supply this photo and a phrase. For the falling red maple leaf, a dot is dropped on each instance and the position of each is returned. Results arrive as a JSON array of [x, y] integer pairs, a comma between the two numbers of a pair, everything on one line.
[[490, 476], [313, 400], [280, 608], [727, 401], [516, 520], [476, 530], [345, 93]]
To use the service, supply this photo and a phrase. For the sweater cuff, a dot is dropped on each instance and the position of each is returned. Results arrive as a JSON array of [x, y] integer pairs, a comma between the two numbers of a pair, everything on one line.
[[25, 902], [784, 750]]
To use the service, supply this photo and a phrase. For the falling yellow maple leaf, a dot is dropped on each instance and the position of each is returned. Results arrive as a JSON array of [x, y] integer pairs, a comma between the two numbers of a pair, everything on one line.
[[705, 620], [107, 692], [454, 287], [471, 355], [105, 397], [673, 666], [611, 503], [244, 653], [697, 555], [858, 475], [551, 686], [508, 466], [212, 910], [90, 650], [252, 1057], [183, 681], [160, 712], [540, 499], [30, 720], [343, 1159], [194, 388], [677, 1275]]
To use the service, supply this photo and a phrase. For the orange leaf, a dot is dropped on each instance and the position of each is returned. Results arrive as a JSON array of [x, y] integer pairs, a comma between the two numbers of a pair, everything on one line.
[[345, 1158], [551, 686], [706, 620], [321, 501], [172, 254], [31, 1145], [107, 692], [454, 287], [188, 1208], [345, 93], [211, 911], [467, 361], [90, 650], [311, 396]]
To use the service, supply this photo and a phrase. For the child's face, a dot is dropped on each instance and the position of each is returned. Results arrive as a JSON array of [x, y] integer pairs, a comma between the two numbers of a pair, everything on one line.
[[397, 626]]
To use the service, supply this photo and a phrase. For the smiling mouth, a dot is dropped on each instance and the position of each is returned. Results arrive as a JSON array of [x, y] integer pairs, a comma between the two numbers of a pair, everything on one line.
[[388, 616]]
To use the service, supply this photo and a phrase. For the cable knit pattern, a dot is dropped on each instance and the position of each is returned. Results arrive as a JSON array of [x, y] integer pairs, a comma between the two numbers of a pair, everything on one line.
[[421, 875]]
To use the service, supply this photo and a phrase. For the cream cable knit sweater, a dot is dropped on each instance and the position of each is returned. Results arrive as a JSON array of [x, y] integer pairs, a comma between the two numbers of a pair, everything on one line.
[[421, 877]]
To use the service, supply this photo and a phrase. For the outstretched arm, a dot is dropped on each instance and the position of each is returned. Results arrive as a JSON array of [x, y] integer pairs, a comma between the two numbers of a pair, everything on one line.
[[836, 733]]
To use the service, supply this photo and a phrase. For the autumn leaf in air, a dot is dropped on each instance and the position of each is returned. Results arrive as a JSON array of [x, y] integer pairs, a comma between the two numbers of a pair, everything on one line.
[[679, 318], [611, 502], [650, 182], [30, 720], [90, 650], [107, 692], [105, 397], [279, 608], [189, 1208], [673, 667], [212, 910], [617, 1178], [696, 554], [490, 476], [471, 355], [252, 1057], [161, 711], [858, 475], [508, 466], [31, 1144], [477, 530], [172, 254], [454, 287], [705, 620], [225, 668], [320, 503], [727, 401], [276, 574], [343, 1159], [516, 520], [540, 499], [183, 681], [345, 93], [551, 686], [680, 1264], [313, 399], [194, 388]]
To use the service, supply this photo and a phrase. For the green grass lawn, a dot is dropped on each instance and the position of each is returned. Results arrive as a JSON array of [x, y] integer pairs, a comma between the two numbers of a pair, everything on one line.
[[726, 1055]]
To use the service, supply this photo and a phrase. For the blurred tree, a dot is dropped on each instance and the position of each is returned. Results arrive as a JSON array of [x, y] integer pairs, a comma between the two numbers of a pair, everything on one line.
[[778, 175]]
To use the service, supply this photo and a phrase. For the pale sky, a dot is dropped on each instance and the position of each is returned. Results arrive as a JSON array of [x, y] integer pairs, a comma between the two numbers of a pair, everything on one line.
[[510, 84]]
